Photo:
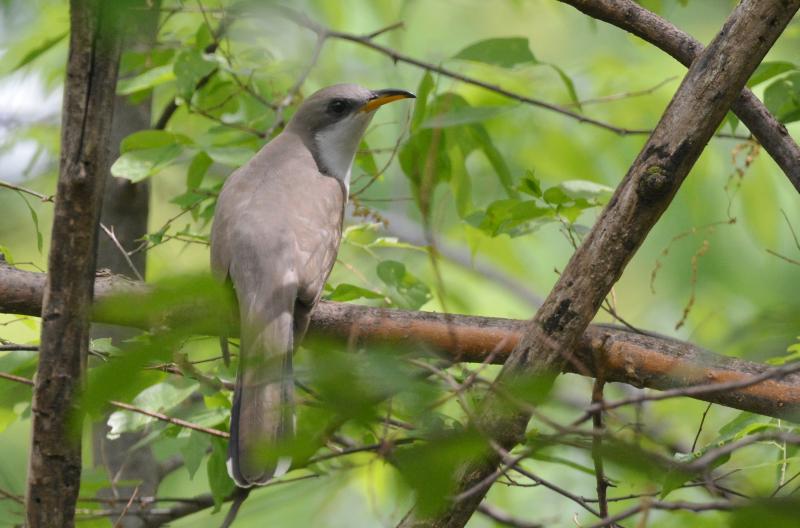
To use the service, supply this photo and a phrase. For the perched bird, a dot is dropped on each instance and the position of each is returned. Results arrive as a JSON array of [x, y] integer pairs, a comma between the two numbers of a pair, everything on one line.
[[276, 232]]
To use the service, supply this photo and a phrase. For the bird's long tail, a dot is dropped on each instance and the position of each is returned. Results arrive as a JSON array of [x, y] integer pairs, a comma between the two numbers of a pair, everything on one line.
[[262, 415]]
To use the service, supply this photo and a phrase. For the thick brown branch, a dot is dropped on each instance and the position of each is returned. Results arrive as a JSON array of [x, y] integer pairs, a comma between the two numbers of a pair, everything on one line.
[[642, 360], [631, 17]]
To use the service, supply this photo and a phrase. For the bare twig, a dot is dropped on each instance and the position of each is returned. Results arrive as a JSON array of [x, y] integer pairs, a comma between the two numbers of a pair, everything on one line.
[[125, 255], [40, 196]]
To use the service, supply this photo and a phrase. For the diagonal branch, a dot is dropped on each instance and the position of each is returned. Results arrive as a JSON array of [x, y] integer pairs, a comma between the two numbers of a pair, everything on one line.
[[713, 82], [635, 19]]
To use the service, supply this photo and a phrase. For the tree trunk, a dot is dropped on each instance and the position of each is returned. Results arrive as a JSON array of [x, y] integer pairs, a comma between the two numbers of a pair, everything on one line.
[[125, 214], [55, 462]]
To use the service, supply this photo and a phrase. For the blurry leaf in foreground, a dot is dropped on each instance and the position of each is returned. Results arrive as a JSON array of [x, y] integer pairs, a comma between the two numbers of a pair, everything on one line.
[[349, 292], [774, 513], [407, 291], [42, 48], [429, 468], [219, 482], [769, 69], [160, 397]]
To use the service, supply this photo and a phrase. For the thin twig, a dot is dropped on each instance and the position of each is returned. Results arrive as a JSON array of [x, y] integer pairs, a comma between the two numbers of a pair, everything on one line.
[[42, 197], [365, 40], [700, 428], [125, 255]]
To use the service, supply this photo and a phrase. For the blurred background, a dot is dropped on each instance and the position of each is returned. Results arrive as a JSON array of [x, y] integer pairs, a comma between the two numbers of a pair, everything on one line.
[[706, 273]]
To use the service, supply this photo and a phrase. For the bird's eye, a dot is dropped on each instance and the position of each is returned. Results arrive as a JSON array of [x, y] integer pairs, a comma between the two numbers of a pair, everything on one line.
[[337, 106]]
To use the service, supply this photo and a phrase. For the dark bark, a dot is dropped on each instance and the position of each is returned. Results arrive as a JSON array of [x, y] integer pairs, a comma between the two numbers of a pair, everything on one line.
[[55, 462], [651, 361], [125, 213], [631, 17], [714, 80]]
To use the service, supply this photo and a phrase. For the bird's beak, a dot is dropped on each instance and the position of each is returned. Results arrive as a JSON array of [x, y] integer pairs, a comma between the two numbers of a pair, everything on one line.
[[381, 97]]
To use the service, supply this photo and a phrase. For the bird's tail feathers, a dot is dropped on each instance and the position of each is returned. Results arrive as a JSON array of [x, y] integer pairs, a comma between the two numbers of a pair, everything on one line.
[[262, 415]]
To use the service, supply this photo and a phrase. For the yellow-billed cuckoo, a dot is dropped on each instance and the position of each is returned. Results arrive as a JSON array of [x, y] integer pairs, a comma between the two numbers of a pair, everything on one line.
[[276, 232]]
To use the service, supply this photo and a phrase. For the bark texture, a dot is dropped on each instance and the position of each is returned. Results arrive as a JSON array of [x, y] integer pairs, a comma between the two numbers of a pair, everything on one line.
[[55, 463], [635, 19], [714, 80], [125, 213], [651, 361]]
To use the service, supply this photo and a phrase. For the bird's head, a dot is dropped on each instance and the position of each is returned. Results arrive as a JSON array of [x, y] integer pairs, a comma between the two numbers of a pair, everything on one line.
[[333, 120]]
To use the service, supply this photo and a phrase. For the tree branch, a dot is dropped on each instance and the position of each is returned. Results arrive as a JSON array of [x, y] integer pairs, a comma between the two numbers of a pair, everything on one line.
[[366, 40], [633, 18], [548, 344], [651, 361]]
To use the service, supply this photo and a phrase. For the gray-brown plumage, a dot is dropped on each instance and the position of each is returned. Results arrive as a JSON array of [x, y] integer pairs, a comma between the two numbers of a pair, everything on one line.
[[275, 236]]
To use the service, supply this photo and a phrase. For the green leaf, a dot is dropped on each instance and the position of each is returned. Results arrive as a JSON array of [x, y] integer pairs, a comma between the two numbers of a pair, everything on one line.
[[35, 218], [42, 48], [349, 292], [231, 156], [219, 482], [496, 160], [588, 190], [768, 70], [530, 184], [782, 98], [147, 80], [424, 90], [408, 291], [194, 451], [464, 115], [568, 84], [190, 67], [460, 181], [197, 170], [556, 196], [146, 139], [504, 52], [137, 165], [157, 398], [512, 217]]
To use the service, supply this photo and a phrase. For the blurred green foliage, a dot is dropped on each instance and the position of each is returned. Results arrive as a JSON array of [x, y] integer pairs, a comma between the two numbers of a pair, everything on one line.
[[512, 185]]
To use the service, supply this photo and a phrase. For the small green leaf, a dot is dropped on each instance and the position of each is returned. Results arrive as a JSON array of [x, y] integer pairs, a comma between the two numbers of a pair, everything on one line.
[[568, 84], [504, 52], [424, 89], [147, 80], [782, 98], [588, 190], [197, 170], [146, 139], [219, 482], [768, 70], [530, 184], [190, 67], [231, 156], [556, 196], [350, 292], [35, 218], [39, 50], [464, 115], [407, 291], [137, 165], [194, 450]]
